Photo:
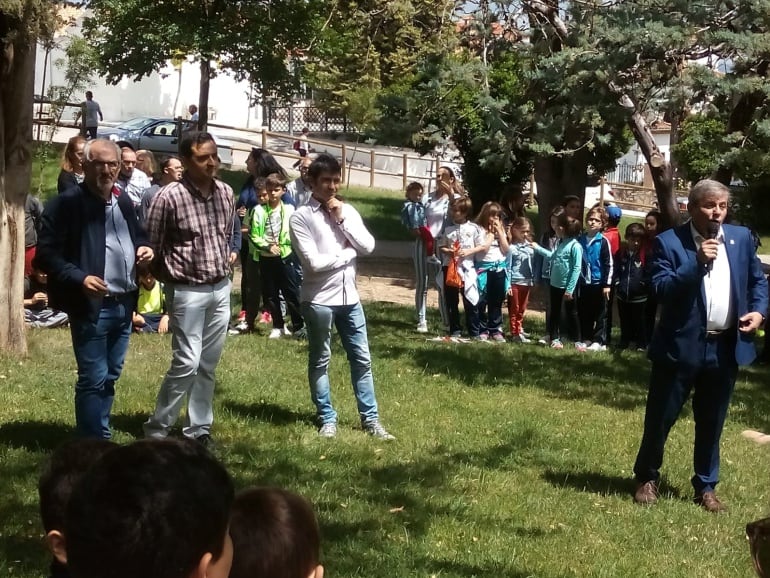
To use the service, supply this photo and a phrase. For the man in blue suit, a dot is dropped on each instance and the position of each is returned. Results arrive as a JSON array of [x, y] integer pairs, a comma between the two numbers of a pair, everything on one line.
[[709, 282]]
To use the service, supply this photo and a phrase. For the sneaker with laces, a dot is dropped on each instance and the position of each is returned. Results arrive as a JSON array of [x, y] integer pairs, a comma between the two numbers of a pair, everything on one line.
[[275, 333], [521, 338], [557, 344], [596, 346], [328, 430], [422, 327], [580, 346], [524, 334], [484, 337], [286, 332], [543, 341], [300, 333], [498, 338], [375, 429], [242, 325]]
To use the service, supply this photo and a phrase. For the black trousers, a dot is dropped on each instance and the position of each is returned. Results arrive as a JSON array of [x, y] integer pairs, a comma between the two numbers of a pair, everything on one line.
[[633, 323], [554, 318], [279, 276], [592, 312]]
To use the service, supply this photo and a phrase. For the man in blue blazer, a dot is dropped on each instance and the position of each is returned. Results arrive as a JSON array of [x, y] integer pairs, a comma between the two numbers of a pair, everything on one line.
[[709, 282], [89, 245]]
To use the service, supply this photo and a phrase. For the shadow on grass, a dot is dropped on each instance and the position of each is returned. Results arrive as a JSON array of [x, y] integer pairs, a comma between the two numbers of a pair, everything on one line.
[[269, 413], [35, 435], [457, 568], [602, 484], [130, 423]]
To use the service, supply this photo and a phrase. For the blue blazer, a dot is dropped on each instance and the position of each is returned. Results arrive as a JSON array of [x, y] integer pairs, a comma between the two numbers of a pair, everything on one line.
[[72, 245], [677, 279]]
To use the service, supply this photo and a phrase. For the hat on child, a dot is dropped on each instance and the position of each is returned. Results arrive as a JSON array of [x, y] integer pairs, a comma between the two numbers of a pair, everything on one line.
[[614, 213]]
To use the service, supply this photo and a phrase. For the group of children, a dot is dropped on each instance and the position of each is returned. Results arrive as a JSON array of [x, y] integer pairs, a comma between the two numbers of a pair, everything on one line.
[[583, 265], [168, 509]]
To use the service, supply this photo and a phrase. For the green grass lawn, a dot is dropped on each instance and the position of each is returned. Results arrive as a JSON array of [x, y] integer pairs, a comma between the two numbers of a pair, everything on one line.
[[510, 460]]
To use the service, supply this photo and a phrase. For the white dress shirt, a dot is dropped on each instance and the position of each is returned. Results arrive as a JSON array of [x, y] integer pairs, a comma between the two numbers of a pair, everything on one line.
[[328, 251], [716, 284]]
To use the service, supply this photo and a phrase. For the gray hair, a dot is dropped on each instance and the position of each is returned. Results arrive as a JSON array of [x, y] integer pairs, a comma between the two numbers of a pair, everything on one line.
[[704, 188], [87, 148]]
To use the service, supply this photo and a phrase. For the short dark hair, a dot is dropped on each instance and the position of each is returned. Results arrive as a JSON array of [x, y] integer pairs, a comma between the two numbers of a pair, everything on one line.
[[274, 180], [572, 226], [194, 139], [156, 505], [569, 198], [635, 230], [275, 535], [63, 470], [165, 160], [324, 163]]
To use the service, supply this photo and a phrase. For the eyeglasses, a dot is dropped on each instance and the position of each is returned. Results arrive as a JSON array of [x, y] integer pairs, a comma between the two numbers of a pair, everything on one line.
[[758, 534], [112, 165]]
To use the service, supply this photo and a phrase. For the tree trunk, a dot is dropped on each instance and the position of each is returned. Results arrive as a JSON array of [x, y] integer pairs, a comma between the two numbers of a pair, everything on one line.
[[203, 96], [660, 170], [17, 74], [558, 176]]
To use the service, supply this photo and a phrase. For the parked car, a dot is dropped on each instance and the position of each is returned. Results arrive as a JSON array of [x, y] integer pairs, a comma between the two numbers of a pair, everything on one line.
[[159, 135]]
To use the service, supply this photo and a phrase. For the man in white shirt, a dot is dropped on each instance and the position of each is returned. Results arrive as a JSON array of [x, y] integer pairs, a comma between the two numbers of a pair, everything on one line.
[[131, 181], [299, 189], [709, 282], [327, 235], [91, 113]]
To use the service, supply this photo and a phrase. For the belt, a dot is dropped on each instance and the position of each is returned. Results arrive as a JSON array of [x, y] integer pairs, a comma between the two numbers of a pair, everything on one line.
[[717, 333], [112, 298], [197, 283]]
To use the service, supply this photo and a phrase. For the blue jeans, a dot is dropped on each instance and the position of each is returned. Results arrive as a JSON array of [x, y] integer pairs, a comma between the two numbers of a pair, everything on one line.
[[100, 349], [351, 327]]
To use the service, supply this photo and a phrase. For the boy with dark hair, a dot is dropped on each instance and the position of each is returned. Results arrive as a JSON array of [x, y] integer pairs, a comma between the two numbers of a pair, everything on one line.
[[275, 535], [155, 509], [278, 266], [631, 288], [68, 463]]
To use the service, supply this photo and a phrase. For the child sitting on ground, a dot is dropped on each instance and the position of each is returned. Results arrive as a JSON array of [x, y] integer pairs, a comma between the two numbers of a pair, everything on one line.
[[37, 314], [632, 289], [151, 509], [275, 535], [413, 218], [151, 315], [520, 274], [68, 463]]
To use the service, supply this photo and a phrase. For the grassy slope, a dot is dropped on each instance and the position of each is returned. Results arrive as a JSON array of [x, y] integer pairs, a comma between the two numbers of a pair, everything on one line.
[[510, 461]]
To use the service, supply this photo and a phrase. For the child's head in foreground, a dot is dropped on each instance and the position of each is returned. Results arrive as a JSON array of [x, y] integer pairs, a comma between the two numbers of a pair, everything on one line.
[[275, 535], [64, 469], [634, 236], [413, 192], [152, 509]]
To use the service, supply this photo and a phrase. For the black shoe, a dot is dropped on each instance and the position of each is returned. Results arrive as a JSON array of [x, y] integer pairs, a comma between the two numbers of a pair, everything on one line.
[[206, 441]]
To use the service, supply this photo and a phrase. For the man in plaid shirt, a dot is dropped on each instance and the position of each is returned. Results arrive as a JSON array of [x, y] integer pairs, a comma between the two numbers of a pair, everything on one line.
[[190, 225]]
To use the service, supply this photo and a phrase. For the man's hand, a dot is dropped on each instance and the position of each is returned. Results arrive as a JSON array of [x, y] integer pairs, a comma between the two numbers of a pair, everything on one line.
[[334, 206], [606, 293], [233, 258], [163, 325], [144, 255], [274, 250], [241, 212], [750, 322], [568, 296], [40, 297], [708, 251], [94, 286]]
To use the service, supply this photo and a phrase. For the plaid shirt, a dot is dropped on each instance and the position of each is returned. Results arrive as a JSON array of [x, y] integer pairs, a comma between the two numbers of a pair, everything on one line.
[[191, 235]]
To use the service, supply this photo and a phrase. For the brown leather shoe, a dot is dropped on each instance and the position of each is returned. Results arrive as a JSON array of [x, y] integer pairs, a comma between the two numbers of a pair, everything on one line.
[[646, 493], [709, 502]]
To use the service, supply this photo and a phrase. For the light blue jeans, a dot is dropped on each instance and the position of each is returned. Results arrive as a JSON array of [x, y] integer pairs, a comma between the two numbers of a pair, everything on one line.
[[351, 327], [198, 321]]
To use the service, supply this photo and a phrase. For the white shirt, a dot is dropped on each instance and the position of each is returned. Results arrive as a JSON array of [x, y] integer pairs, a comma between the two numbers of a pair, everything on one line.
[[328, 251], [435, 213], [135, 186], [716, 285], [299, 191]]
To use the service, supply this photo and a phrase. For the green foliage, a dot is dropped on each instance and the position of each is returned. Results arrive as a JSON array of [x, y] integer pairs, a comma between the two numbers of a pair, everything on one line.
[[27, 20], [701, 146], [255, 40]]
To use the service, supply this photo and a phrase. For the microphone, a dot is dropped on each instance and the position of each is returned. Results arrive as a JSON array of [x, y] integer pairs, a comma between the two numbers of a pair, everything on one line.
[[712, 230]]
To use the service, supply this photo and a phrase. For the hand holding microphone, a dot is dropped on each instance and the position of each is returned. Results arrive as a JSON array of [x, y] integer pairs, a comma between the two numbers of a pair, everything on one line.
[[710, 246]]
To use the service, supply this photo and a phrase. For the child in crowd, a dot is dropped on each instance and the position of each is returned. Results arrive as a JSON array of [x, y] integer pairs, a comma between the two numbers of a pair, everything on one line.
[[37, 314], [151, 315], [573, 207], [275, 535], [151, 509], [653, 223], [491, 272], [632, 288], [595, 289], [566, 261], [413, 218], [68, 463], [512, 202], [542, 266], [520, 274], [461, 241], [278, 266], [614, 213]]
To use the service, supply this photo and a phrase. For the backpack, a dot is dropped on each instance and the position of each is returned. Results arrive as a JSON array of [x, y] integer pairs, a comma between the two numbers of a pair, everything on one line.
[[296, 144]]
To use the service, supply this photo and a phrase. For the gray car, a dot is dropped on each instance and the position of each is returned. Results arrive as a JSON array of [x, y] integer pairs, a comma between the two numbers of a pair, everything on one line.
[[159, 135]]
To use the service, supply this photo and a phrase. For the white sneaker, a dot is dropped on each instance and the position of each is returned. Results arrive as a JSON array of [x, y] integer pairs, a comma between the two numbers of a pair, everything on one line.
[[422, 327], [328, 430], [275, 333], [520, 338], [596, 346], [286, 332]]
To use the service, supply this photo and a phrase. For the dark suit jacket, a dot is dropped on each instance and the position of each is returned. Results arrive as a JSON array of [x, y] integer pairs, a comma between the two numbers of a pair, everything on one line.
[[677, 279], [72, 245]]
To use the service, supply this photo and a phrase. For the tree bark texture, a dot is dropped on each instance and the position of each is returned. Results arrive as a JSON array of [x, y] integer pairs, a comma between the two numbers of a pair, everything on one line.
[[17, 74], [203, 96], [558, 176]]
